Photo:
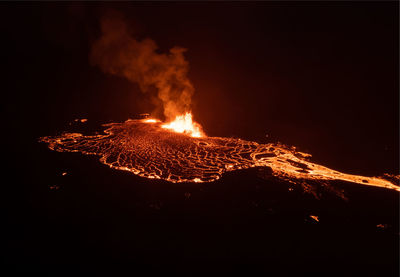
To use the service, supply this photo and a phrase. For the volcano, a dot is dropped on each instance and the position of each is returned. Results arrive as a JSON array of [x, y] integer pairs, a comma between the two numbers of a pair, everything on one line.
[[153, 195]]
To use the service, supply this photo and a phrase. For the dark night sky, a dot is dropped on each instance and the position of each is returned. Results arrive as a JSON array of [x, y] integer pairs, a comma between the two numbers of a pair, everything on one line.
[[322, 76]]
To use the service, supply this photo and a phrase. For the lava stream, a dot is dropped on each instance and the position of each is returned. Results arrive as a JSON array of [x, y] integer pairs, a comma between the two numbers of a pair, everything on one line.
[[176, 153]]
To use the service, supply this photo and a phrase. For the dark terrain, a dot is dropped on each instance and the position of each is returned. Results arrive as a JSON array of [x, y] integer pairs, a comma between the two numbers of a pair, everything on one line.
[[98, 220]]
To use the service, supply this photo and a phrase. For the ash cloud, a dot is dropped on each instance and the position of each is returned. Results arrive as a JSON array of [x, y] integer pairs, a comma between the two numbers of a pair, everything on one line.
[[119, 53]]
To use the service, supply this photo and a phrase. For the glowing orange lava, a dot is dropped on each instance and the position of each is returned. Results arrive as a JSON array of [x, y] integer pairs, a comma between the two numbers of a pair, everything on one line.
[[184, 124], [179, 151], [151, 120]]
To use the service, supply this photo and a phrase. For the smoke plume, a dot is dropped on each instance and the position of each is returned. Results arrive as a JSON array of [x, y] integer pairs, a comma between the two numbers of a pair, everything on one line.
[[118, 52]]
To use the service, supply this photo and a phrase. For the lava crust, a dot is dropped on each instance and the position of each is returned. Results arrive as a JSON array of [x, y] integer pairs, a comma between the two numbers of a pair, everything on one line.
[[148, 150]]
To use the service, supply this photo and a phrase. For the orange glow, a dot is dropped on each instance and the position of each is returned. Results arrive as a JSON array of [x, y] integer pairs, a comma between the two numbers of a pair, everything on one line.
[[151, 120], [146, 148], [184, 124]]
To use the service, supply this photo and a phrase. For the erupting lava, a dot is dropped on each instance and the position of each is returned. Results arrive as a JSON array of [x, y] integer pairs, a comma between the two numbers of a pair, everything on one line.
[[185, 124], [179, 151]]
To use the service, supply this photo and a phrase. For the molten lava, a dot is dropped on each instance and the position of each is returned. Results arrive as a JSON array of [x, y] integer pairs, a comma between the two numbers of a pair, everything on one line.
[[180, 152], [151, 120], [184, 124]]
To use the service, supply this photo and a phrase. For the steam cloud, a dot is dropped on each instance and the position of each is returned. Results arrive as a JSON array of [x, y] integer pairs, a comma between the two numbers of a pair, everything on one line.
[[118, 52]]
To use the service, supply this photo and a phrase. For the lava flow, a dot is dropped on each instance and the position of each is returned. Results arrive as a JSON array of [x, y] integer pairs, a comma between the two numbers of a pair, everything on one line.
[[179, 151]]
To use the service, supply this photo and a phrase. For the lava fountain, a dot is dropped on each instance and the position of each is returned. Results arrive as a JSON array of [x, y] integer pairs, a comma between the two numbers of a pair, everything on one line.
[[179, 151], [185, 124]]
